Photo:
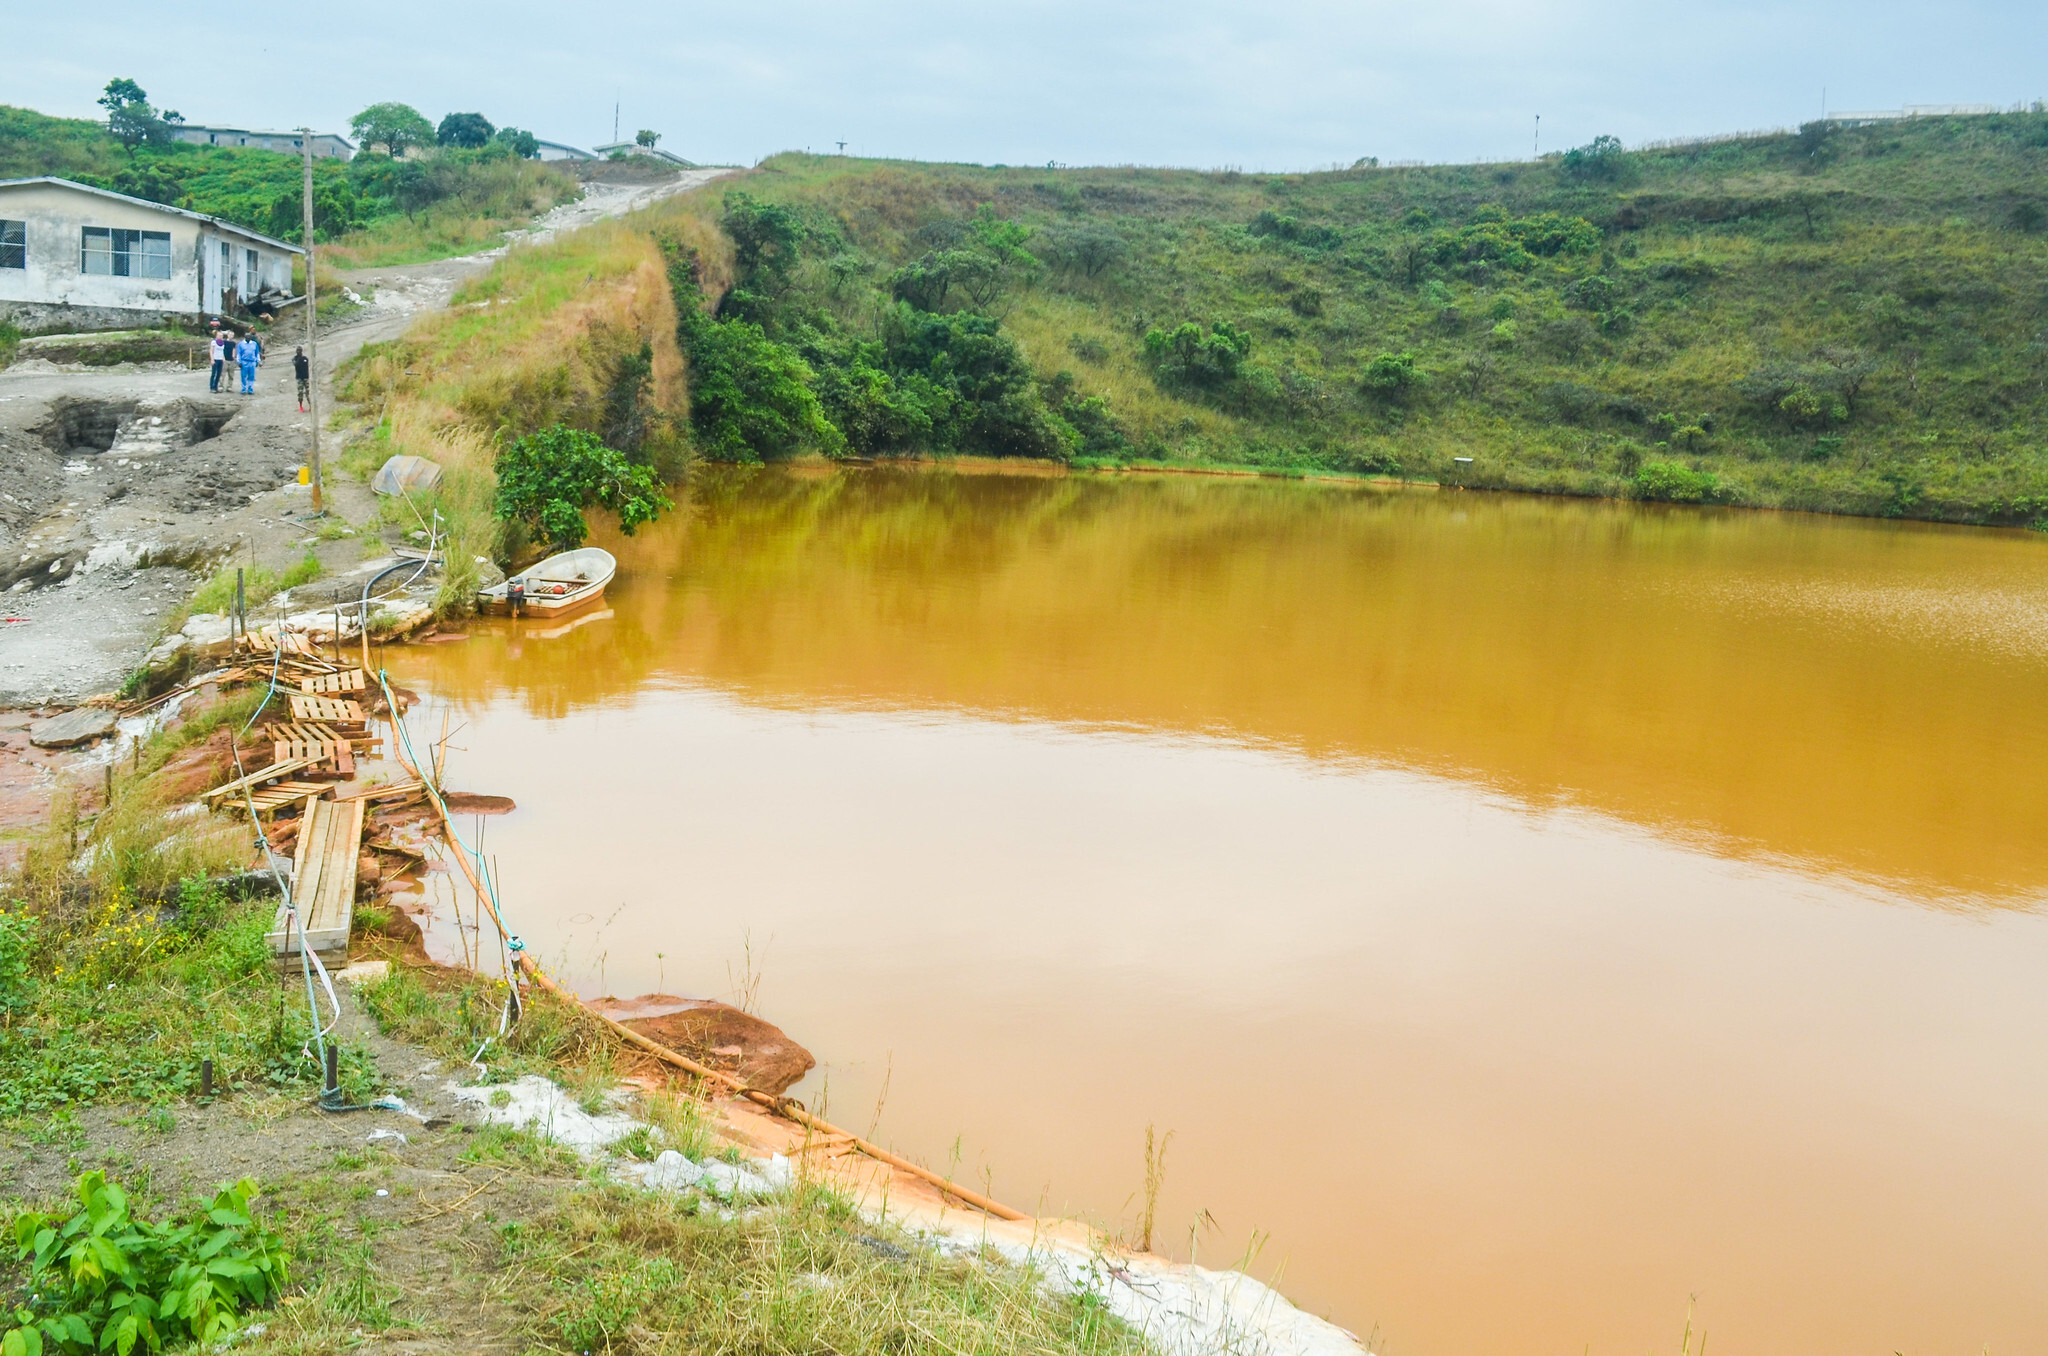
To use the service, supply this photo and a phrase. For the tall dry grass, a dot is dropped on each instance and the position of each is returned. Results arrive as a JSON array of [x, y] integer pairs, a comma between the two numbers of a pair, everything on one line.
[[538, 340]]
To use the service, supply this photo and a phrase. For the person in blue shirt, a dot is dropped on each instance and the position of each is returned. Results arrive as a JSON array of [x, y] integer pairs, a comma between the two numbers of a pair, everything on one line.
[[248, 355]]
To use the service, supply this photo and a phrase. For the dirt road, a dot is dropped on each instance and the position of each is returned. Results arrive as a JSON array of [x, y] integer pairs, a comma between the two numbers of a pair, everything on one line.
[[122, 488]]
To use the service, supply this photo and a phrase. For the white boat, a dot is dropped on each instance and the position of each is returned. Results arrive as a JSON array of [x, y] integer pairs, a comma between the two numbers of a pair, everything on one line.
[[559, 585]]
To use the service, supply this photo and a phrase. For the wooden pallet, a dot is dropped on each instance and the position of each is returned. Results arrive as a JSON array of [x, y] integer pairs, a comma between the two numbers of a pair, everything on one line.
[[328, 710], [281, 768], [323, 881], [348, 680], [318, 741], [285, 793], [396, 791]]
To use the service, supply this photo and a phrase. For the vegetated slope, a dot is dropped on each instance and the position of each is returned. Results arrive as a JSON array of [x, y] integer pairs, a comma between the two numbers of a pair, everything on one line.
[[1852, 319], [375, 210]]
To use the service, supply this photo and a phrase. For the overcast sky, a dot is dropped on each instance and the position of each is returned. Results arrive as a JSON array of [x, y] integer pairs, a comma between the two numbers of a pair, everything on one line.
[[1292, 85]]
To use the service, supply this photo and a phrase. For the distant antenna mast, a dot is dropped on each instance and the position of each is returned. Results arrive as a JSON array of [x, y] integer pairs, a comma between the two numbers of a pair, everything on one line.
[[615, 121], [841, 145], [1536, 146]]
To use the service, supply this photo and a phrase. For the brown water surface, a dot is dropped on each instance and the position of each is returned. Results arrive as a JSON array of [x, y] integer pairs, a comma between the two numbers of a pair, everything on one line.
[[1527, 913]]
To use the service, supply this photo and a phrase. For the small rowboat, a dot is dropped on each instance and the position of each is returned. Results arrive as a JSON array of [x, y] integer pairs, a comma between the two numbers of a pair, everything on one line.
[[559, 585]]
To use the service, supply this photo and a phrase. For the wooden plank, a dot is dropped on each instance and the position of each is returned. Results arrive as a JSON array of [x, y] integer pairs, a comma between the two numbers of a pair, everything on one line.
[[323, 880], [399, 789]]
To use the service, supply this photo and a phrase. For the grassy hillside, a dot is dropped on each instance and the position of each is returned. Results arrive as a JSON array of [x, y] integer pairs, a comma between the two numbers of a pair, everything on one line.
[[1847, 319], [372, 210]]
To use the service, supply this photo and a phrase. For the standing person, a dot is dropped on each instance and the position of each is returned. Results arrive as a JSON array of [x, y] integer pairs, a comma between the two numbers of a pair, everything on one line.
[[222, 340], [248, 354], [303, 370]]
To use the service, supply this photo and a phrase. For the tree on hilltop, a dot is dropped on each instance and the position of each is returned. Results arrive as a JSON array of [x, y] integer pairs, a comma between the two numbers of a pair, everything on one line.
[[467, 130], [131, 119], [394, 126], [646, 137]]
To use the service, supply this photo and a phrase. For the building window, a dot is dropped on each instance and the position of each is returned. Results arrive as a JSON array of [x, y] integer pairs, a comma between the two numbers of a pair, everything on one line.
[[251, 279], [13, 244], [125, 254]]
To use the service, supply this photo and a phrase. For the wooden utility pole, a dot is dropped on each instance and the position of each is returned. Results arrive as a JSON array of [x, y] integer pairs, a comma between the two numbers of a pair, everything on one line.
[[312, 300]]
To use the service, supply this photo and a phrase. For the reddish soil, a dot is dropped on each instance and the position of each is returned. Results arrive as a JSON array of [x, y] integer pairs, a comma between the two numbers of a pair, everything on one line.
[[715, 1034]]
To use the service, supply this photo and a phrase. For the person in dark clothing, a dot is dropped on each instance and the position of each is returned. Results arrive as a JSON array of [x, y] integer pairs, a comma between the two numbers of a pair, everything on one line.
[[303, 370]]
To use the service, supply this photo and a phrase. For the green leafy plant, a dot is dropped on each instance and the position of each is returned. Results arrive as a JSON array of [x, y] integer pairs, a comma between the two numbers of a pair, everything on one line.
[[547, 479], [102, 1280], [1671, 483], [17, 934]]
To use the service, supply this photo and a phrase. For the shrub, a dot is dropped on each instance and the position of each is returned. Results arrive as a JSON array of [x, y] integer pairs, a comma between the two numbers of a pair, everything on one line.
[[101, 1279], [1185, 356], [547, 479], [1671, 483], [1601, 160], [1391, 376]]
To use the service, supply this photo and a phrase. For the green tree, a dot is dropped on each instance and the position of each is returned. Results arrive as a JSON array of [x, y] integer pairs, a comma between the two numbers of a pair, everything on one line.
[[394, 126], [471, 131], [1601, 160], [522, 144], [1185, 356], [1394, 376], [646, 137], [130, 117], [547, 479], [750, 397], [766, 238]]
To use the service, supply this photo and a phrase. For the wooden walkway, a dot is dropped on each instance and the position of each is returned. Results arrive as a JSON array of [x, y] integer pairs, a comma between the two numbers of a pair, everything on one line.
[[323, 881]]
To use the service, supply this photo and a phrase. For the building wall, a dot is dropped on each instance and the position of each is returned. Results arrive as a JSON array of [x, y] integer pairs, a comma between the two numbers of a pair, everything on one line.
[[53, 282], [326, 145], [55, 217]]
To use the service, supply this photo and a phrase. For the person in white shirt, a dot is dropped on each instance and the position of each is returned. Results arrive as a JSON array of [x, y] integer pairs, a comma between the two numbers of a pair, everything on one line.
[[223, 340]]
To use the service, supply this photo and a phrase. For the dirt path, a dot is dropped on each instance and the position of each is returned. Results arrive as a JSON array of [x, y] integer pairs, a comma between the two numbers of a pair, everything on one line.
[[122, 487]]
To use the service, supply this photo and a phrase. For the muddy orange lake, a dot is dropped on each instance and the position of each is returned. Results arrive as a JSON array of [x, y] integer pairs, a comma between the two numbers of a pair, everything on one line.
[[1532, 918]]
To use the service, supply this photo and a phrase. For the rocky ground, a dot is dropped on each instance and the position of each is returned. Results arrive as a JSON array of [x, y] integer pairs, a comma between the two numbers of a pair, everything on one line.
[[123, 488]]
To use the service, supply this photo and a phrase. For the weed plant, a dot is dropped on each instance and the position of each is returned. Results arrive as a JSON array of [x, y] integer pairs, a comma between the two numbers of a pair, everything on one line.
[[638, 1272], [123, 965]]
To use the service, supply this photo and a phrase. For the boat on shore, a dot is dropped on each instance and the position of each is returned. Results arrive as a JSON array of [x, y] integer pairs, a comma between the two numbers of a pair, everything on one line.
[[563, 583]]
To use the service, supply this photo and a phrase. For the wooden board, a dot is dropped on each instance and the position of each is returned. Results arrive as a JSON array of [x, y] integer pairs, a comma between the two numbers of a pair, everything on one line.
[[349, 680], [285, 793], [323, 880], [339, 710], [281, 768]]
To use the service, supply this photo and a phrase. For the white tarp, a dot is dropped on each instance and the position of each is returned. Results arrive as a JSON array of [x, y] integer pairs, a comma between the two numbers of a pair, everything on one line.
[[404, 475]]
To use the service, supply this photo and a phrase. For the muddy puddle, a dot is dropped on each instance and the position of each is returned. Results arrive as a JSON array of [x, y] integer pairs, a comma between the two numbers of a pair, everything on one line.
[[1527, 915]]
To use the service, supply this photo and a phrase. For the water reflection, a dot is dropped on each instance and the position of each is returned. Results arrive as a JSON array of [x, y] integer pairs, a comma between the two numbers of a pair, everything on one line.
[[1420, 859], [1847, 695]]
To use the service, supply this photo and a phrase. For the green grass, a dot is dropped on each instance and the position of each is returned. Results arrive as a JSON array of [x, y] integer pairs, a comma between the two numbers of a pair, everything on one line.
[[1854, 321], [628, 1270]]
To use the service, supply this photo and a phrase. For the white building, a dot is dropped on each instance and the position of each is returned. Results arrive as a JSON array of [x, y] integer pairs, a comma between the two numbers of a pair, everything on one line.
[[74, 257], [556, 150], [612, 148], [326, 145]]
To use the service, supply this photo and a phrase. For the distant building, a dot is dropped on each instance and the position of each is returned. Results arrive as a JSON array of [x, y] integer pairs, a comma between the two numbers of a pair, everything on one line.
[[555, 150], [77, 257], [610, 149], [326, 145]]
